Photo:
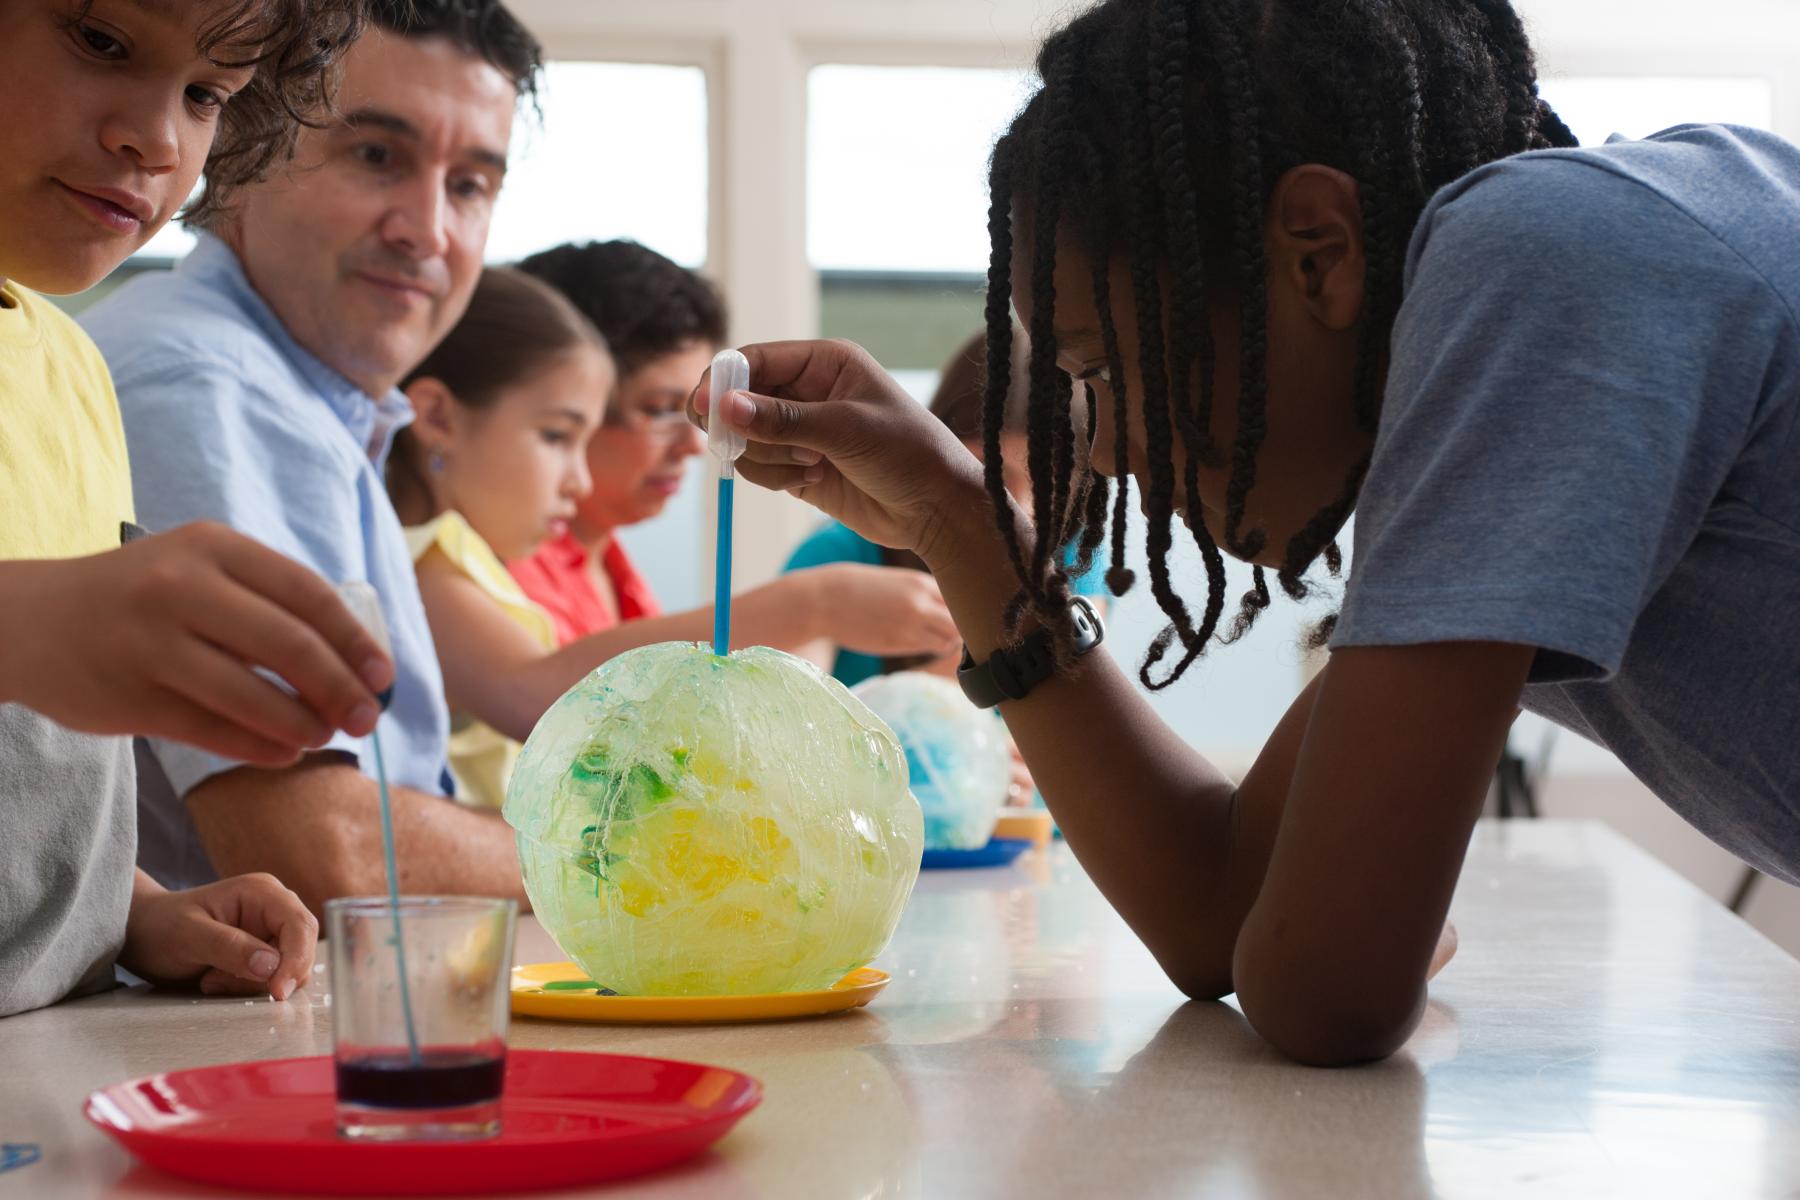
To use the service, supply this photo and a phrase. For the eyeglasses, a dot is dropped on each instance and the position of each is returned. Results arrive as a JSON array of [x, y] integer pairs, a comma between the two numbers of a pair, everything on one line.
[[669, 424]]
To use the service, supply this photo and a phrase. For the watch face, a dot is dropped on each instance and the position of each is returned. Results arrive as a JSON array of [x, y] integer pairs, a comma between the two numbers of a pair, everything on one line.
[[1088, 630]]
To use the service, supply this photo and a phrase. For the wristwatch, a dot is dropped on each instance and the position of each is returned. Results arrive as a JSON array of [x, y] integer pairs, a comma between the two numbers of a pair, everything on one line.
[[1009, 674]]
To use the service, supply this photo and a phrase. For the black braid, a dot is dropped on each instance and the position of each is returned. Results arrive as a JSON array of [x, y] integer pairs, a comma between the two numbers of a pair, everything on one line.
[[1239, 92], [1093, 502], [1551, 129], [1250, 607], [1531, 124], [1170, 46], [1050, 442], [1063, 486], [1187, 309], [1146, 285], [1321, 529], [1119, 577], [999, 352]]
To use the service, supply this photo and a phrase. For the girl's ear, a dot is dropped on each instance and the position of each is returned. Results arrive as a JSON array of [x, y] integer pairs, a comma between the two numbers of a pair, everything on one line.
[[436, 415], [1315, 243]]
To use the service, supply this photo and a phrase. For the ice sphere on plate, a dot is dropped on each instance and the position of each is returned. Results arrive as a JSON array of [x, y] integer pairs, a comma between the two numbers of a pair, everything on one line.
[[695, 825], [956, 754]]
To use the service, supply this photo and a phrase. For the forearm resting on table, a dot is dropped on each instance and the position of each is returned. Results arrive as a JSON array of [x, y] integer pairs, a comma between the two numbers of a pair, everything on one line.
[[1150, 819], [1317, 889], [317, 828]]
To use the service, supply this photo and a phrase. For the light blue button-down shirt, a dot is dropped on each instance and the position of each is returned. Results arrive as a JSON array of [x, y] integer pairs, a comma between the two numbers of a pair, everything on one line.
[[228, 419]]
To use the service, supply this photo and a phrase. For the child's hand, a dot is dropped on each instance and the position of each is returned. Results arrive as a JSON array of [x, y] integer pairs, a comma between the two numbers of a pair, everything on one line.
[[889, 612], [242, 936], [828, 424], [158, 639]]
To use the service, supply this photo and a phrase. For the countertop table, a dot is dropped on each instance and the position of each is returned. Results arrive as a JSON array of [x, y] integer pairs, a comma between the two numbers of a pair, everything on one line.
[[1606, 1030]]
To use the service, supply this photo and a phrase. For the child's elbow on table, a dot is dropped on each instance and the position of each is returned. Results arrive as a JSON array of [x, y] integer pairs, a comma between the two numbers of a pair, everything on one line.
[[1328, 1018]]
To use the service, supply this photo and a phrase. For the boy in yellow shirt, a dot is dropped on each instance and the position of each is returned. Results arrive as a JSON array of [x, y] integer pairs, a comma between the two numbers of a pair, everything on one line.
[[113, 109]]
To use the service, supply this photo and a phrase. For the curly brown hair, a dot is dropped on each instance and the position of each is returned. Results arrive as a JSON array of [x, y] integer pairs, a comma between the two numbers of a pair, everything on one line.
[[295, 47]]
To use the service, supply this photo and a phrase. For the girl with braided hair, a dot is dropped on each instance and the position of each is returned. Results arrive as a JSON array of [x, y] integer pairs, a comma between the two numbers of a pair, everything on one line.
[[1310, 256]]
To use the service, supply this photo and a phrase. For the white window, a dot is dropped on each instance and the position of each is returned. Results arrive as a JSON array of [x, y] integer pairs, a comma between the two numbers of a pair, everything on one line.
[[897, 157], [622, 152], [1598, 106]]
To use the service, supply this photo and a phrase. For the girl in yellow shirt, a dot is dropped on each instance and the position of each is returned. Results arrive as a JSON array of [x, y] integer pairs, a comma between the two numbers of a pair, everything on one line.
[[491, 467]]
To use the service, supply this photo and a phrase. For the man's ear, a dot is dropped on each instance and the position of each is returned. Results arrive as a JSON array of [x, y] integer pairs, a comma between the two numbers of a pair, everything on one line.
[[436, 412], [1315, 240]]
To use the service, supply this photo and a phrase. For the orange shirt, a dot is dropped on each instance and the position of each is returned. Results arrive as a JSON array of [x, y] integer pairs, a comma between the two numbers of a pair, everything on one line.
[[556, 576]]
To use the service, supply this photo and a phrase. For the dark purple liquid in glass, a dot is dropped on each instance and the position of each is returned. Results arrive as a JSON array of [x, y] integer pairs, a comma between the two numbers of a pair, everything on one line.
[[443, 1079]]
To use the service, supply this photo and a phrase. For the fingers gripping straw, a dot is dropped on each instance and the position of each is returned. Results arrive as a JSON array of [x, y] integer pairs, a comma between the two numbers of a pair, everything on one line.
[[730, 373], [361, 600]]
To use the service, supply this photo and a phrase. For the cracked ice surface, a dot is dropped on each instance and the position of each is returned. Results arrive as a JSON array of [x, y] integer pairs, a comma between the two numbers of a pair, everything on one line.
[[695, 825]]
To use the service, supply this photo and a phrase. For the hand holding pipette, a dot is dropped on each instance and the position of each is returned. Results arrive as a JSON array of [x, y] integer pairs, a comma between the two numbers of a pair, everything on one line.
[[826, 423]]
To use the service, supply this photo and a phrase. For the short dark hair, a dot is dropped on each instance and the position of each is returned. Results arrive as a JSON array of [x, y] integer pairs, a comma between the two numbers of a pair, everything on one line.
[[481, 27], [300, 44], [302, 47], [645, 305], [1158, 136]]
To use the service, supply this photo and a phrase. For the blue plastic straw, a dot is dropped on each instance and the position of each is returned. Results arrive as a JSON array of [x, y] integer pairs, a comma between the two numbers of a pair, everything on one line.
[[722, 573], [730, 372], [393, 883]]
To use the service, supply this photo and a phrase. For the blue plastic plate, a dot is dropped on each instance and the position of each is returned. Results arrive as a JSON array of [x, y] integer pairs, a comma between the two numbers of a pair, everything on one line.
[[997, 853]]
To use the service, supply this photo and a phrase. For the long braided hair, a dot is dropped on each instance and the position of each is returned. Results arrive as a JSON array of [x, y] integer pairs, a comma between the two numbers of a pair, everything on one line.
[[1159, 133]]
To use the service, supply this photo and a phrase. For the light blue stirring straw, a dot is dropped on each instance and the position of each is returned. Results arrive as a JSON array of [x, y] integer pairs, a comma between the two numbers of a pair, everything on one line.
[[360, 598], [393, 882], [730, 373]]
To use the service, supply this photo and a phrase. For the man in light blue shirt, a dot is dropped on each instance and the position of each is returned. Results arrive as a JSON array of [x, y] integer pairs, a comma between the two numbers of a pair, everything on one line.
[[257, 383]]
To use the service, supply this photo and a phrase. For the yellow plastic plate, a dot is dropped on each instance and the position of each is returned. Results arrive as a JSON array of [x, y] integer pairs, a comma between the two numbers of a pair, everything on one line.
[[1032, 824], [532, 996]]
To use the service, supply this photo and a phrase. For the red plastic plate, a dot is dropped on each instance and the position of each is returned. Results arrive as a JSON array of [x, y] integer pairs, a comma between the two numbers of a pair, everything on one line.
[[567, 1118]]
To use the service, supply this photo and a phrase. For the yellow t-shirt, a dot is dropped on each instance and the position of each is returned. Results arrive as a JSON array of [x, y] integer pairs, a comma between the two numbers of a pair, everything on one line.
[[68, 801], [65, 482], [481, 757]]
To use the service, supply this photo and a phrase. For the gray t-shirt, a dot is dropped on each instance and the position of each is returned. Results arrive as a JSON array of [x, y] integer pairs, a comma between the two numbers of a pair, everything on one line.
[[68, 810], [1590, 443]]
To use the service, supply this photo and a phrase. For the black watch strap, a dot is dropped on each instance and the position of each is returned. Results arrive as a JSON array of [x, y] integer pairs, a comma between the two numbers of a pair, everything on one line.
[[1011, 673]]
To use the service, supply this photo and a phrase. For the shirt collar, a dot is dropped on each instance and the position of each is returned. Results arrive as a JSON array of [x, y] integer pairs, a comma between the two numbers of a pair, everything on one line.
[[567, 548], [372, 422]]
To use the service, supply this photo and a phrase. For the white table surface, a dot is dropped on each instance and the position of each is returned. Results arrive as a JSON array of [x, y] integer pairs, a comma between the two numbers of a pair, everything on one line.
[[1606, 1030]]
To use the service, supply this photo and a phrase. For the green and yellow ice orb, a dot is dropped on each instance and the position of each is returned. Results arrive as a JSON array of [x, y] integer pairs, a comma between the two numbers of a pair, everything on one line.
[[692, 825]]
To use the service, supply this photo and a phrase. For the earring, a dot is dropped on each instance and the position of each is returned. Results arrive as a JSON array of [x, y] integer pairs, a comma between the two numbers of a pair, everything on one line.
[[436, 462]]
